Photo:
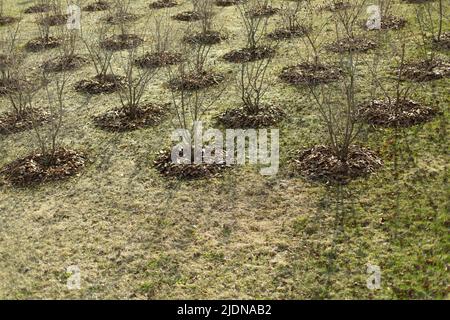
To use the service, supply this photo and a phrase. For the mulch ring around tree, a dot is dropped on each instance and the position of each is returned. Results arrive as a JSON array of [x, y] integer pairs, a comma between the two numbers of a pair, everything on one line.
[[443, 42], [64, 63], [97, 6], [11, 122], [307, 73], [122, 18], [336, 6], [187, 16], [100, 84], [262, 11], [39, 44], [5, 61], [209, 38], [11, 85], [54, 20], [426, 70], [320, 163], [389, 23], [228, 3], [123, 119], [418, 1], [356, 44], [160, 4], [390, 114], [119, 42], [39, 8], [5, 20], [243, 118], [249, 54], [37, 168], [158, 59], [196, 81], [283, 34], [164, 164]]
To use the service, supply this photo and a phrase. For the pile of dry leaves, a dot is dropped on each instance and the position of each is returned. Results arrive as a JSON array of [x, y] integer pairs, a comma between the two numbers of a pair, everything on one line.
[[64, 63], [54, 20], [38, 44], [387, 113], [443, 42], [307, 73], [242, 118], [282, 34], [125, 119], [158, 59], [320, 163], [11, 122], [97, 6], [227, 3], [196, 81], [262, 11], [187, 16], [100, 84], [125, 17], [119, 42], [356, 44], [249, 54], [163, 163], [38, 168], [38, 8], [209, 38], [426, 70], [160, 4], [5, 20]]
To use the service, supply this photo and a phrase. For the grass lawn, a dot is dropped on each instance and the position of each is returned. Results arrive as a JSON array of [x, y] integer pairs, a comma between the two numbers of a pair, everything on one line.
[[136, 234]]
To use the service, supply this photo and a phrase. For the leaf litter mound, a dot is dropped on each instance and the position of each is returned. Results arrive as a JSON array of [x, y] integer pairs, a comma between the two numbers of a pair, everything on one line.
[[11, 85], [38, 168], [158, 59], [124, 119], [40, 44], [163, 163], [336, 6], [426, 70], [100, 84], [6, 20], [320, 163], [237, 118], [196, 81], [64, 63], [97, 6], [249, 54], [387, 113], [11, 122], [443, 42], [307, 73], [187, 16], [354, 44], [120, 42], [38, 8], [161, 4], [208, 38], [54, 20], [262, 11], [125, 17], [228, 3], [288, 33]]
